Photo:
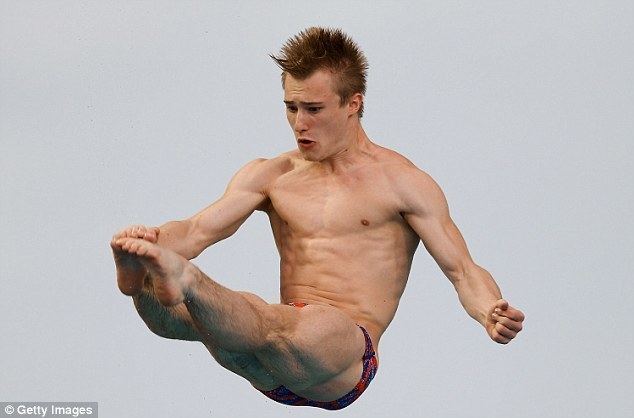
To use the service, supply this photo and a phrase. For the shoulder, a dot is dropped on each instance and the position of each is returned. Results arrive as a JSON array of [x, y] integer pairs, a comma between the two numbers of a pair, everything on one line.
[[414, 188], [260, 172]]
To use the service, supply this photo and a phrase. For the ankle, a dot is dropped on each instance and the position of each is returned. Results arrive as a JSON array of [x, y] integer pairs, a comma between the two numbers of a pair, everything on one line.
[[192, 280]]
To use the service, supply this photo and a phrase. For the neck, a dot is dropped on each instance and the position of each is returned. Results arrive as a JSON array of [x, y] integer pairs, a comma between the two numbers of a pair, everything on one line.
[[357, 147]]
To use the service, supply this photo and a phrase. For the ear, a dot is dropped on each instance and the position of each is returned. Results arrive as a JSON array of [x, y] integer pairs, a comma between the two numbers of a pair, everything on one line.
[[354, 103]]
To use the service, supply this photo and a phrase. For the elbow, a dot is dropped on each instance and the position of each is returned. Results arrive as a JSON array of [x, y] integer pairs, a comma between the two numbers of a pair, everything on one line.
[[460, 275]]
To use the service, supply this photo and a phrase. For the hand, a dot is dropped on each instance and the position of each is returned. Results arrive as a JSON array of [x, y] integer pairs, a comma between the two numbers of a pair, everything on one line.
[[148, 233], [503, 322]]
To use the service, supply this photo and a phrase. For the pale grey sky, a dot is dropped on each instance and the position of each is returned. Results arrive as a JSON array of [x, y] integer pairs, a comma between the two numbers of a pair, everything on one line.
[[122, 112]]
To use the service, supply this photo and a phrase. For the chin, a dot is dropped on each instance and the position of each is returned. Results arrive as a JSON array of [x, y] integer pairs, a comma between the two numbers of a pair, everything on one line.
[[308, 156]]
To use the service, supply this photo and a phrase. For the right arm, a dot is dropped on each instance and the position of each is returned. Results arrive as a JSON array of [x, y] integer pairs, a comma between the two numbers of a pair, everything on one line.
[[244, 194]]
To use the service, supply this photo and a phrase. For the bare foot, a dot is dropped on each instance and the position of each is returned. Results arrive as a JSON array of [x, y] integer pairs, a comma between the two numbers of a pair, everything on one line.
[[171, 274], [130, 271]]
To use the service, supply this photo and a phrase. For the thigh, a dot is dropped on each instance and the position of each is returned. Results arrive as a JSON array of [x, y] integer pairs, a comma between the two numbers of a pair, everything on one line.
[[314, 348], [246, 365], [315, 351]]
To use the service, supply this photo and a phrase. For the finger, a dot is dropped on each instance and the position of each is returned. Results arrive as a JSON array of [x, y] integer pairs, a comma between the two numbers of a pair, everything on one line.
[[511, 313], [146, 233], [120, 234], [504, 331], [502, 304], [119, 242], [138, 231], [516, 314], [151, 234], [507, 322], [125, 232], [498, 338]]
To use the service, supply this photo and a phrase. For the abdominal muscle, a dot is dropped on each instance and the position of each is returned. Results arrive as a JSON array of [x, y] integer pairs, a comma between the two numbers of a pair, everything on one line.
[[361, 276], [342, 240]]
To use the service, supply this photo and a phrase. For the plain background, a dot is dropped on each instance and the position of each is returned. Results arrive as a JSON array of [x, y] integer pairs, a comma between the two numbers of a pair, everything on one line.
[[121, 112]]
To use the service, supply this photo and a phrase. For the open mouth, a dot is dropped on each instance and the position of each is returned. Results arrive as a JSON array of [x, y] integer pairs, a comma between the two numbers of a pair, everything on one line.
[[306, 141]]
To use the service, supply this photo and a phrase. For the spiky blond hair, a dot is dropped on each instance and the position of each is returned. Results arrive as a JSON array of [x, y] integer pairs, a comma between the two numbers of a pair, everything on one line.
[[318, 48]]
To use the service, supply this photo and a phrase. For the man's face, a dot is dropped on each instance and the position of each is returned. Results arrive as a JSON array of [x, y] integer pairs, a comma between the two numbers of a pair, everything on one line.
[[316, 116]]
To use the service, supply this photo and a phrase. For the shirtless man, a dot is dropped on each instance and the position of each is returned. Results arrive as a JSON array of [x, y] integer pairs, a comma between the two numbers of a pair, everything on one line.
[[347, 216]]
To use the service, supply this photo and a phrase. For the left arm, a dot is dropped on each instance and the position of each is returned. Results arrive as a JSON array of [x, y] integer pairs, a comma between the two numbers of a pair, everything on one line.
[[425, 209]]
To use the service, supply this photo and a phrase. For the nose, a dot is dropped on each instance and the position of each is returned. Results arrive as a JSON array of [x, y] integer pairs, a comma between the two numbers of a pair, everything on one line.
[[300, 121]]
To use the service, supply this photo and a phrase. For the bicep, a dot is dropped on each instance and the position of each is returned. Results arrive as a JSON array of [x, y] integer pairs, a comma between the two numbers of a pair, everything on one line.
[[444, 242], [244, 194], [428, 215]]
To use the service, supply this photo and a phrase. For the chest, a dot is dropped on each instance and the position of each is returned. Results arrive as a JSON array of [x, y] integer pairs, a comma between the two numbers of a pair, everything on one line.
[[321, 204]]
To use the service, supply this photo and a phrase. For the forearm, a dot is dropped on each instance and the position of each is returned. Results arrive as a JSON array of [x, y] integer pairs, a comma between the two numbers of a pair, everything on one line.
[[477, 291], [169, 322], [178, 237]]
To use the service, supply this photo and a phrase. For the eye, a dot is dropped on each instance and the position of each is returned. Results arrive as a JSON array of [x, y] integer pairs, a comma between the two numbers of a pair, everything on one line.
[[291, 108], [314, 109]]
